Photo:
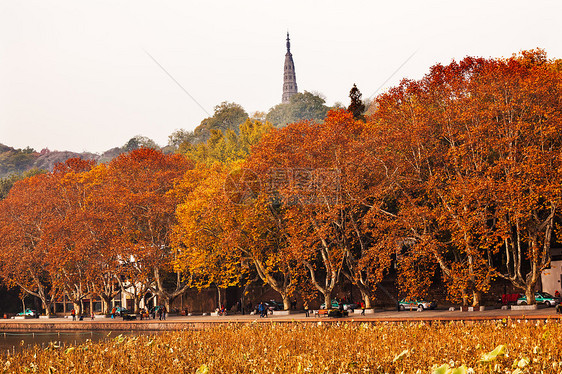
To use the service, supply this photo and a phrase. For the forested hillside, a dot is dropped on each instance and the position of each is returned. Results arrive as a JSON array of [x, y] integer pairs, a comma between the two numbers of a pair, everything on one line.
[[17, 161]]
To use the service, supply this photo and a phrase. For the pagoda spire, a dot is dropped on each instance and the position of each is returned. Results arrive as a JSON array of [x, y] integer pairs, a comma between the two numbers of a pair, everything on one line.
[[289, 76]]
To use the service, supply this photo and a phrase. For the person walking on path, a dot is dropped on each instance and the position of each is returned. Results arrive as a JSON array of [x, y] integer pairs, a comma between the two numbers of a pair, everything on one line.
[[73, 314], [362, 308], [305, 306], [164, 312], [262, 310]]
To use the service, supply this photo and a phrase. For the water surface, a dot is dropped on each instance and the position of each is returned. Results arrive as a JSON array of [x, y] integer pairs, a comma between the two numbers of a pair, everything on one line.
[[14, 341]]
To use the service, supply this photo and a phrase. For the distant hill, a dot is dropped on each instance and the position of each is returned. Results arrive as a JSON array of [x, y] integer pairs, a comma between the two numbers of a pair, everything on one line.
[[17, 161]]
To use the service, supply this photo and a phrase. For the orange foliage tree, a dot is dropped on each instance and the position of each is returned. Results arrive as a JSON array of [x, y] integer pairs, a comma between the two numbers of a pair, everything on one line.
[[137, 189], [25, 214], [473, 144], [70, 236], [226, 232], [315, 173]]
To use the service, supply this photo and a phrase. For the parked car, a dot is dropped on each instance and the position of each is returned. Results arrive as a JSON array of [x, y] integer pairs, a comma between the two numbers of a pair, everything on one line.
[[273, 305], [336, 305], [29, 312], [120, 311], [541, 298], [270, 306], [416, 304]]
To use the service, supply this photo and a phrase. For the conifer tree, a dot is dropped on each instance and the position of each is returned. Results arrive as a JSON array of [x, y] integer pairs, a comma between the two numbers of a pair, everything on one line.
[[357, 107]]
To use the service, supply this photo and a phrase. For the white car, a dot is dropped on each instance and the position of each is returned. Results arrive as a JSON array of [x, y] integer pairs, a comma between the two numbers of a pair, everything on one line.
[[416, 304]]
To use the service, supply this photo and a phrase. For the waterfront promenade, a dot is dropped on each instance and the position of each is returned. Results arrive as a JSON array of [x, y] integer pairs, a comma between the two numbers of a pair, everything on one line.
[[173, 322]]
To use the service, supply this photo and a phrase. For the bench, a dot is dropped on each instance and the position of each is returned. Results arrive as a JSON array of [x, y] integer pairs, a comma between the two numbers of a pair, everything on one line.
[[321, 312], [129, 317]]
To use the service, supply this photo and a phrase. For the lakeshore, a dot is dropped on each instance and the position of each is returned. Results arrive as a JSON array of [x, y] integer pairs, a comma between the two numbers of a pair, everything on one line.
[[199, 322]]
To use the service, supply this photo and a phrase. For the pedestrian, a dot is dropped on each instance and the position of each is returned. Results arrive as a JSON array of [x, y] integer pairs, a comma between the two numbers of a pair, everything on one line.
[[261, 309], [92, 316], [305, 306], [362, 308], [160, 313], [73, 314], [164, 312], [113, 312]]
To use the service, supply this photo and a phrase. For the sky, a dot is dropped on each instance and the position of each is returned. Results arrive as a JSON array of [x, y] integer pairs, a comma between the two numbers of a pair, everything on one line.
[[90, 75]]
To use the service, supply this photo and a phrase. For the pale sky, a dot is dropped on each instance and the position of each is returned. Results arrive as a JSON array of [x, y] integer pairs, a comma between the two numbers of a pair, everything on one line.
[[75, 75]]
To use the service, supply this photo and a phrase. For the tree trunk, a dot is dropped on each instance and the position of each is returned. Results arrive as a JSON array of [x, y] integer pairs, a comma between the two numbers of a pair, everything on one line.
[[45, 302], [530, 294], [366, 299], [168, 297], [77, 307], [464, 298], [476, 297], [105, 301], [328, 300], [219, 297], [286, 301], [279, 286]]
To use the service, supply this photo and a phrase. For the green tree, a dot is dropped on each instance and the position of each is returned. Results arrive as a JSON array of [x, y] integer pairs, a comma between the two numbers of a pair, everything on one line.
[[227, 116], [7, 182], [140, 141], [303, 106]]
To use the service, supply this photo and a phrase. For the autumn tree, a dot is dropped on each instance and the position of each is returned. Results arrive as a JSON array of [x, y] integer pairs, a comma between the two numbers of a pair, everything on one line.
[[138, 186], [198, 236], [228, 146], [24, 259], [461, 139], [519, 101], [70, 251], [443, 206], [221, 224], [314, 172]]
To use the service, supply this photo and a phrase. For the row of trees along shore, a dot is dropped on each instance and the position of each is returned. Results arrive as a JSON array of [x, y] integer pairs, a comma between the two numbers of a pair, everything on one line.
[[456, 174]]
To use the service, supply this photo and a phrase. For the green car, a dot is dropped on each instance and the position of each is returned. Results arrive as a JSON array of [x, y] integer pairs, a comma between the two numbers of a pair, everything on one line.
[[541, 298], [335, 305], [29, 313]]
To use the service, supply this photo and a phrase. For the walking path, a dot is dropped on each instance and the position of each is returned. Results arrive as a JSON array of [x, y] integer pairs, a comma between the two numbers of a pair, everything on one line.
[[201, 322]]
